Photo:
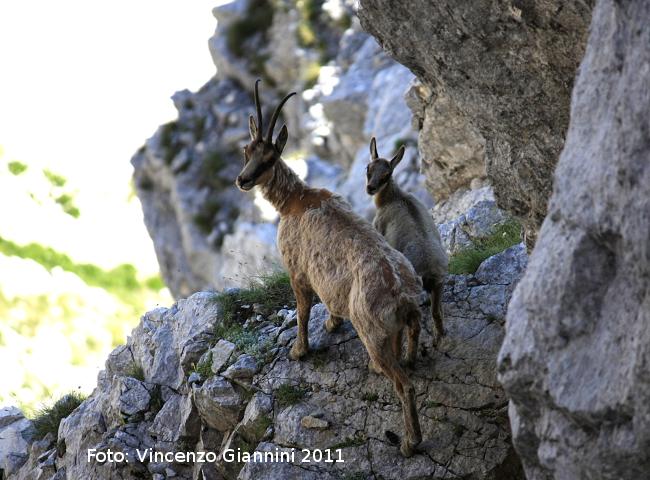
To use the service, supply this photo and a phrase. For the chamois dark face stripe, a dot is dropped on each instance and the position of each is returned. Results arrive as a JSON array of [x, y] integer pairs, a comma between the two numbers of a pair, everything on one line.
[[260, 169]]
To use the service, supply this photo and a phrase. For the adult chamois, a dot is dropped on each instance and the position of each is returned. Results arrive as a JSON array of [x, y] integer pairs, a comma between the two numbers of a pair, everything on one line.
[[328, 249]]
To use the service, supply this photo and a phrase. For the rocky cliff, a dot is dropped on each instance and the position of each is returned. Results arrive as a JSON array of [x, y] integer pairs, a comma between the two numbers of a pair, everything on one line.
[[575, 357], [205, 232], [191, 380], [496, 82]]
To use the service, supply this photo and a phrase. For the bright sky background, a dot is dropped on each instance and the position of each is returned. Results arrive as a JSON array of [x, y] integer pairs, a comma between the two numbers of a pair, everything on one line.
[[83, 83]]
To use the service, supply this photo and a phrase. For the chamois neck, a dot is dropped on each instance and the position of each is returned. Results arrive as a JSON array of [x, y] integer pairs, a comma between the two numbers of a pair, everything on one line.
[[389, 193], [283, 186]]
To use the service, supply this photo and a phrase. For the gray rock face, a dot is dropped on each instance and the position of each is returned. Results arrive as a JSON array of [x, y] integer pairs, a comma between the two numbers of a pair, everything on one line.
[[501, 69], [451, 149], [16, 432], [575, 357], [265, 402], [479, 217]]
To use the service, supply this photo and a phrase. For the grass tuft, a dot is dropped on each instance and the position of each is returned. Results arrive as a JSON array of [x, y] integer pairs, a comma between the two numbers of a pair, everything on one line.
[[135, 371], [369, 397], [468, 260], [48, 418], [355, 441], [288, 395], [204, 368], [271, 290]]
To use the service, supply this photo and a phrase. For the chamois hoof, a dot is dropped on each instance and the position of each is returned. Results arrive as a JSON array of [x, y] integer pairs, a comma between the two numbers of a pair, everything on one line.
[[372, 367], [297, 352], [408, 449], [332, 326], [437, 338]]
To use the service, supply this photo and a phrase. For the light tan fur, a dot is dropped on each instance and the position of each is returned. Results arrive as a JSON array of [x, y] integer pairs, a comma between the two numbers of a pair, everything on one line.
[[408, 227], [329, 250]]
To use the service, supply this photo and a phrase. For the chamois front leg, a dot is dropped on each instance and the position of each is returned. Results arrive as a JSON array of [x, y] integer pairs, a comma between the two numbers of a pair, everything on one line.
[[304, 296]]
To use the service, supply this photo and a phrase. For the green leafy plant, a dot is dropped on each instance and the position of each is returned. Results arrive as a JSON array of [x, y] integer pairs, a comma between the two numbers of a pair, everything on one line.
[[121, 280], [55, 179], [204, 367], [468, 260], [16, 168], [47, 419]]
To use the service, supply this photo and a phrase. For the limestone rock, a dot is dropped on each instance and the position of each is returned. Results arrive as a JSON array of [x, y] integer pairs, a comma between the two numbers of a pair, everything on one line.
[[501, 69], [575, 357], [16, 433], [246, 366], [221, 353], [218, 403]]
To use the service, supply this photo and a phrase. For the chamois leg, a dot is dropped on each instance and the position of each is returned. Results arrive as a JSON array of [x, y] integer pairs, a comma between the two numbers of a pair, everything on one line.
[[304, 296], [396, 344], [383, 357], [413, 325], [332, 323], [436, 312]]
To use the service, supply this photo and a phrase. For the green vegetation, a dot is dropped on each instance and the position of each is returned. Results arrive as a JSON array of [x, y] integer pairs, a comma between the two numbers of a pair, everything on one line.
[[406, 142], [48, 418], [468, 260], [369, 397], [121, 280], [204, 367], [271, 290], [67, 204], [355, 476], [16, 168], [55, 179], [310, 74], [135, 371], [245, 340], [169, 141], [355, 441], [310, 11], [288, 395], [258, 19]]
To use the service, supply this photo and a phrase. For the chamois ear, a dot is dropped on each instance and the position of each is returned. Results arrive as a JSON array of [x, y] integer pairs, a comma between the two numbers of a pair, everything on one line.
[[397, 158], [373, 149], [281, 140], [252, 127]]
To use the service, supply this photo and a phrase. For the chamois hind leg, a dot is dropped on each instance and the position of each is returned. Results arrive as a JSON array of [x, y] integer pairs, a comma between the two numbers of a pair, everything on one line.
[[436, 312], [396, 344], [413, 325], [304, 295], [384, 358], [332, 323]]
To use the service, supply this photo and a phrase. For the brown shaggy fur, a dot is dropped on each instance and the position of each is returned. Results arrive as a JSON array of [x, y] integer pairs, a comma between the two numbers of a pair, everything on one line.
[[329, 250]]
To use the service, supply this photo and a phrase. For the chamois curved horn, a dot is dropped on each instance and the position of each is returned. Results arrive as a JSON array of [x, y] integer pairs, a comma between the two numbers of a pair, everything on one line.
[[259, 110], [274, 118]]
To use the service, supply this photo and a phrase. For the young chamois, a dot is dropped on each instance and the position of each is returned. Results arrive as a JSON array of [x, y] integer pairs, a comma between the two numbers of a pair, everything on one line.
[[408, 227], [329, 250]]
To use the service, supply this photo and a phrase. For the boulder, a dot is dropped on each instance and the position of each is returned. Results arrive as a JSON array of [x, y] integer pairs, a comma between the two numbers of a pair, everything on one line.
[[575, 358]]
